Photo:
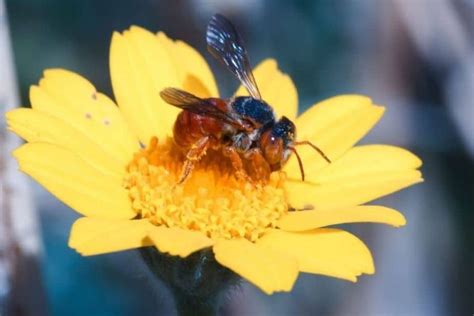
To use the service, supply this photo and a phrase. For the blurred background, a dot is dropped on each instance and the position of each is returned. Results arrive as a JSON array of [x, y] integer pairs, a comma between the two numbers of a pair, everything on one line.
[[416, 57]]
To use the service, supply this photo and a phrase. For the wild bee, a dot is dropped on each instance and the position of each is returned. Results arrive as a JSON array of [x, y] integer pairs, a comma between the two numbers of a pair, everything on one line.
[[243, 127]]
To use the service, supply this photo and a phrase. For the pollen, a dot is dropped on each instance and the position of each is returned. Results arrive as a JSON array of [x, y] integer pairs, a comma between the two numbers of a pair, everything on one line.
[[212, 200]]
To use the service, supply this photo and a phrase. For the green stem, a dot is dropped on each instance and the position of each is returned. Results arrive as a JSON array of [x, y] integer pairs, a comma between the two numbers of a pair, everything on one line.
[[197, 282]]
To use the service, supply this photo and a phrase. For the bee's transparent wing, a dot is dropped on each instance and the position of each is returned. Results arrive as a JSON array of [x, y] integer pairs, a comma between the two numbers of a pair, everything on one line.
[[225, 44]]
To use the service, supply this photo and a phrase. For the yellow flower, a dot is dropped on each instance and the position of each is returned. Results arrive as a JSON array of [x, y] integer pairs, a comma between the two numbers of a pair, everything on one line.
[[116, 165]]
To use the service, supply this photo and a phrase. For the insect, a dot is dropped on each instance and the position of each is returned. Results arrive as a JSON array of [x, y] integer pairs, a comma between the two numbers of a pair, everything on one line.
[[244, 127]]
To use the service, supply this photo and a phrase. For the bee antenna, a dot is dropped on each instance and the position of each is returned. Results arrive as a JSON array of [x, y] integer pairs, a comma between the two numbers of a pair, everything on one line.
[[307, 142], [300, 163]]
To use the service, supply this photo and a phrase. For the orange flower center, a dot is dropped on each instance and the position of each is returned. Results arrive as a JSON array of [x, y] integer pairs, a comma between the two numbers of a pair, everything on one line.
[[212, 200]]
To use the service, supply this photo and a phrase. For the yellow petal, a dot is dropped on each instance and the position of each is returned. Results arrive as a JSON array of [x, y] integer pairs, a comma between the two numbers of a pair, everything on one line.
[[365, 160], [73, 100], [363, 174], [324, 251], [178, 242], [306, 220], [75, 182], [36, 126], [140, 68], [93, 236], [333, 125], [191, 68], [349, 192], [276, 88], [68, 87], [269, 270]]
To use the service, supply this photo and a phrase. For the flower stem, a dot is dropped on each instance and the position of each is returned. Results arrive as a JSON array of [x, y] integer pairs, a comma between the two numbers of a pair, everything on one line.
[[188, 305], [197, 282]]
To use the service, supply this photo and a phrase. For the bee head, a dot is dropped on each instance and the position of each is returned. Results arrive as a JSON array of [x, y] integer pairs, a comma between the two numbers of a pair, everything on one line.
[[276, 142], [286, 130]]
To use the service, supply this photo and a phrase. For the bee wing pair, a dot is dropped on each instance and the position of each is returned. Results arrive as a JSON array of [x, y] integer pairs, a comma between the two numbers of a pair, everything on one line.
[[189, 102], [226, 45]]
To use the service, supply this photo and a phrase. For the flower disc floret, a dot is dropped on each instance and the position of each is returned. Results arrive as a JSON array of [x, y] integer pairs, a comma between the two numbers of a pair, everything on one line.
[[212, 201]]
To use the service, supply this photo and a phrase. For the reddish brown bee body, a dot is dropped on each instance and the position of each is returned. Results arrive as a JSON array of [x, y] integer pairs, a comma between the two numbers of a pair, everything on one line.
[[190, 127]]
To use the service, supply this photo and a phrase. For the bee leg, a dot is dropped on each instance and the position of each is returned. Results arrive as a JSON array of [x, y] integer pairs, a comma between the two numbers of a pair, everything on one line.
[[259, 164], [187, 168], [197, 151], [236, 162]]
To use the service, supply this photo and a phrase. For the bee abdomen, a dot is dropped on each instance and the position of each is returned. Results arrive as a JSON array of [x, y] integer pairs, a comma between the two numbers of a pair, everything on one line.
[[190, 127]]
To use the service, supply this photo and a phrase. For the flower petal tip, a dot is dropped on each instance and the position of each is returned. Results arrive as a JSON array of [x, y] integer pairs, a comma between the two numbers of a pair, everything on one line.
[[270, 62], [356, 278], [17, 153], [178, 242], [10, 114], [380, 108], [418, 178], [49, 72], [136, 28], [115, 36], [399, 225]]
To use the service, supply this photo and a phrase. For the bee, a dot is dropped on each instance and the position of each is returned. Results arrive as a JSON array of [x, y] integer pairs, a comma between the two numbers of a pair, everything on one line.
[[245, 128]]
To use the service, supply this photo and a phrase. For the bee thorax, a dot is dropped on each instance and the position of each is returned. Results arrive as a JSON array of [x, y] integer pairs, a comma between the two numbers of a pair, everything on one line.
[[242, 141]]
